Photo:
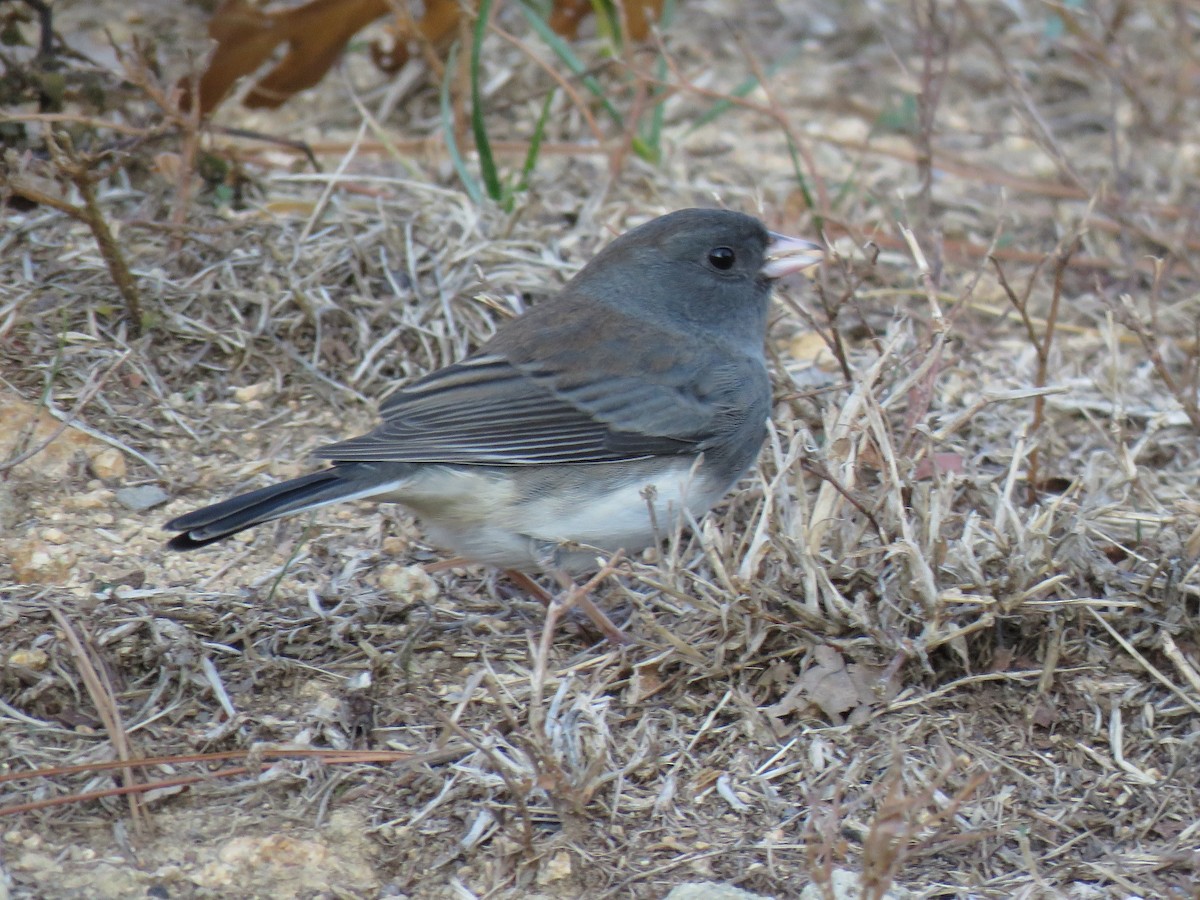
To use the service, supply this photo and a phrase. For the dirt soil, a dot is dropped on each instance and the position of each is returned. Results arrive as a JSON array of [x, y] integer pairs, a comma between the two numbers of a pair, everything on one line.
[[943, 638]]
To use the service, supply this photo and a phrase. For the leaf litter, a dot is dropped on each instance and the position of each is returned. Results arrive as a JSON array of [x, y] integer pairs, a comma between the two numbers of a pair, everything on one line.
[[933, 639]]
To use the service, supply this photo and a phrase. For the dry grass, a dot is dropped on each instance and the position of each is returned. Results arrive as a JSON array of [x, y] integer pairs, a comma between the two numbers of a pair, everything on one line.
[[945, 635]]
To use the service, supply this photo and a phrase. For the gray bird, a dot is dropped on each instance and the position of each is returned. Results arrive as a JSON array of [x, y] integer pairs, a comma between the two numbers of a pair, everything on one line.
[[583, 426]]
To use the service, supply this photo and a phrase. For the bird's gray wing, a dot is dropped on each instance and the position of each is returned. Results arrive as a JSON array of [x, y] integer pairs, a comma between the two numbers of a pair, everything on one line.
[[509, 405]]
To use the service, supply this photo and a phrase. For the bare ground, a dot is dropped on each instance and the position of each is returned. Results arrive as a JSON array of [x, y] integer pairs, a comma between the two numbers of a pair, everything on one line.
[[944, 636]]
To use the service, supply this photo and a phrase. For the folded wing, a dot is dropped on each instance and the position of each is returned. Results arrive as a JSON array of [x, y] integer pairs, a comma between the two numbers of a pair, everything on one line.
[[500, 407]]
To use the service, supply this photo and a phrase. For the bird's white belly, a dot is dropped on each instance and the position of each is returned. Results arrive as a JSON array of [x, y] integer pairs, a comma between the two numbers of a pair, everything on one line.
[[627, 516], [518, 521]]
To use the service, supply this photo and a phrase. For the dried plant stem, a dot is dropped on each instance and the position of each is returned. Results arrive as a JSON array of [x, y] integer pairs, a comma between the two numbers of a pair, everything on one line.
[[138, 71], [1061, 260], [1186, 399], [81, 173], [934, 41], [99, 688], [1042, 344], [563, 83]]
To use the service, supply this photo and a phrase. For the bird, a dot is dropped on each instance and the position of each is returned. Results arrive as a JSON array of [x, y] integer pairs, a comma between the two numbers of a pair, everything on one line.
[[582, 428]]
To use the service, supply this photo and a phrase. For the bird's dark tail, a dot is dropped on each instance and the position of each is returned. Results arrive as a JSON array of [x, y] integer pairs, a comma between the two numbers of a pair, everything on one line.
[[332, 485]]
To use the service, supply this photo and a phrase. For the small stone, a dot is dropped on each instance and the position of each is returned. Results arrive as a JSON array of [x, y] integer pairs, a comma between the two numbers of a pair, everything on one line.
[[408, 583], [108, 464], [32, 658], [28, 426], [274, 850], [711, 890], [36, 562], [845, 884], [34, 861], [556, 868], [94, 499], [250, 392], [142, 497], [394, 546], [54, 536]]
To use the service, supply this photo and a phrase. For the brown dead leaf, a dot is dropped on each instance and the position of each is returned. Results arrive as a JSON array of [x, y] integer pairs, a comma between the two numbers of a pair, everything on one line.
[[835, 688], [246, 37], [316, 32], [938, 464], [704, 779], [436, 29], [829, 685], [644, 683], [567, 15]]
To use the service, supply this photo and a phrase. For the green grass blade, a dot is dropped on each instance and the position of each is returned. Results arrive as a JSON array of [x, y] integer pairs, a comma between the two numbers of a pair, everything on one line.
[[608, 23], [535, 143], [483, 146], [648, 145], [564, 52], [460, 166]]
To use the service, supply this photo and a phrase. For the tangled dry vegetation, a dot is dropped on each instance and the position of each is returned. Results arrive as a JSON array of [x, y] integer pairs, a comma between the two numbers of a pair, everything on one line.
[[944, 637]]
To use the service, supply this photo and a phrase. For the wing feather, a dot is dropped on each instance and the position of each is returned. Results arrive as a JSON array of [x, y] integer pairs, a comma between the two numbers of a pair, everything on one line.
[[507, 406]]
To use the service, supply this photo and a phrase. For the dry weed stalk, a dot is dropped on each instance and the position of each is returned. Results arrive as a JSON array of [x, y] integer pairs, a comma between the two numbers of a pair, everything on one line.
[[935, 40], [85, 171], [1150, 335], [95, 675], [254, 757], [1043, 344], [185, 122], [518, 788]]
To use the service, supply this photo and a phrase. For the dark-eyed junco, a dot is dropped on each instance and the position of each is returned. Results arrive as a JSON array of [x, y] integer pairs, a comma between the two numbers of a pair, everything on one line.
[[583, 426]]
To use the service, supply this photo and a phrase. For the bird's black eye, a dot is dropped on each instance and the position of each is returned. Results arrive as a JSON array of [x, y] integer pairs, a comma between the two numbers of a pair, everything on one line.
[[721, 258]]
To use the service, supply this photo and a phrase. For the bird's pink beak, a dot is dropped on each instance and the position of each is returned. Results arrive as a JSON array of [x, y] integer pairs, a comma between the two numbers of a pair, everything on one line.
[[787, 255]]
